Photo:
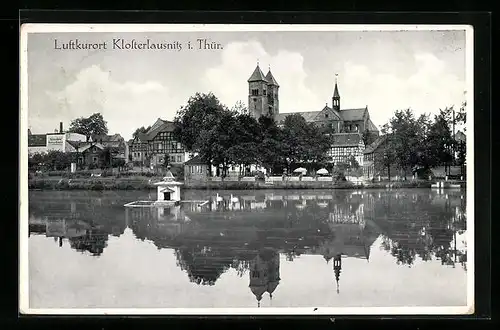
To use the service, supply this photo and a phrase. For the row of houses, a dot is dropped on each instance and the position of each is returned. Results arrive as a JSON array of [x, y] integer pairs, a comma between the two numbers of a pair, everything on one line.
[[88, 150]]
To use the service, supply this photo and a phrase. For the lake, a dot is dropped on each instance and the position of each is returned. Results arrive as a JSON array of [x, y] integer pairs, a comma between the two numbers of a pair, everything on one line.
[[270, 248]]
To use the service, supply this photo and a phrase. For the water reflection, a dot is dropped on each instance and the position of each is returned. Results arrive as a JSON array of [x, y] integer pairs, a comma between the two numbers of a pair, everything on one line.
[[250, 234]]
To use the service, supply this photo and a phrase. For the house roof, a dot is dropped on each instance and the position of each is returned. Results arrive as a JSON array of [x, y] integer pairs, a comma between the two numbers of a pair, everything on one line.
[[308, 115], [323, 114], [107, 138], [37, 140], [165, 126], [375, 144], [270, 79], [352, 114], [346, 139], [345, 115], [257, 75], [196, 160], [371, 126], [76, 144]]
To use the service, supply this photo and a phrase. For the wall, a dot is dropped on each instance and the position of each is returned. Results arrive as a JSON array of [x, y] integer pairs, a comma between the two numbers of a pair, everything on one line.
[[76, 137], [198, 173], [56, 142]]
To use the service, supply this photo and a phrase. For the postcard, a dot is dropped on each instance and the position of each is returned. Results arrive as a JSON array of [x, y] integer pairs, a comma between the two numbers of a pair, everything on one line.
[[246, 169]]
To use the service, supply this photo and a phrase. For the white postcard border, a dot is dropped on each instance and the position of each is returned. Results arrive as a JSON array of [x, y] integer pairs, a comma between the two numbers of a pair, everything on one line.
[[26, 29]]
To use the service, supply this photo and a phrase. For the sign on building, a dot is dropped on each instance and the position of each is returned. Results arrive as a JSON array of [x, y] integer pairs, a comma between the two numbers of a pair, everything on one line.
[[55, 142]]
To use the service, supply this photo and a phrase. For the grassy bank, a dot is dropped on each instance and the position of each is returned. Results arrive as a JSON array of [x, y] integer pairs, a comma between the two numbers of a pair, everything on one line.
[[90, 184], [306, 185], [146, 183]]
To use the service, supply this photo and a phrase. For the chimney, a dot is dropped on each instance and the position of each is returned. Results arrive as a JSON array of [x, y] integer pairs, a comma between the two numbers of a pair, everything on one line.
[[60, 127]]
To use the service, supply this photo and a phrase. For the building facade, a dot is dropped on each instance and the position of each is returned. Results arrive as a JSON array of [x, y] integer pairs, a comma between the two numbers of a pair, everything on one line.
[[262, 94], [345, 146], [346, 126], [57, 141], [157, 146], [196, 170]]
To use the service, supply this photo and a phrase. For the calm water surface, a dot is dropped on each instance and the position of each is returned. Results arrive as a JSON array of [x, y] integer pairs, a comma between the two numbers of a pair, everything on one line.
[[272, 248]]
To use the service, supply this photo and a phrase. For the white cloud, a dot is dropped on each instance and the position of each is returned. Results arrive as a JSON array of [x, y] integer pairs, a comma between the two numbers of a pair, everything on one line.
[[427, 90], [124, 105], [228, 81]]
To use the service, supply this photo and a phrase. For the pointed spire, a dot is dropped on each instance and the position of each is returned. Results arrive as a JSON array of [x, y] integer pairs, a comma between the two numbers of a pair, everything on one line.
[[270, 78], [336, 90], [257, 75]]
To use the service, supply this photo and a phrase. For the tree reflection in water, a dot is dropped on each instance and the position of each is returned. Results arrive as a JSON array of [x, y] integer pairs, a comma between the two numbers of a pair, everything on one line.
[[424, 226], [210, 241]]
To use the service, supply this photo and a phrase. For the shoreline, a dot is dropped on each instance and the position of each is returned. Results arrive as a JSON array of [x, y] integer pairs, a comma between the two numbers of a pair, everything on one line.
[[146, 184]]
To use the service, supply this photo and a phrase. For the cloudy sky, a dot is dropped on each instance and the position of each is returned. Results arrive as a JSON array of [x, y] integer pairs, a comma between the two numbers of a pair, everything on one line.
[[386, 71]]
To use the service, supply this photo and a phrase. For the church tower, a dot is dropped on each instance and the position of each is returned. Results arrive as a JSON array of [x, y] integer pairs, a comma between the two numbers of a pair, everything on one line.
[[272, 94], [337, 267], [257, 93], [336, 96]]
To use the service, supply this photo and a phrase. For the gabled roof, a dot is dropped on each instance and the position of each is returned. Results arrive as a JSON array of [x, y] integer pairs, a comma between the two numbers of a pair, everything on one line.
[[346, 139], [327, 111], [270, 79], [375, 144], [83, 146], [157, 123], [37, 140], [196, 160], [107, 138], [165, 126], [257, 75], [75, 145], [353, 114], [371, 126], [308, 115]]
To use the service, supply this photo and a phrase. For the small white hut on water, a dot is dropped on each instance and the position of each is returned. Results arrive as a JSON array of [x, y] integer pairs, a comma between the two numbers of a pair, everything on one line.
[[168, 190]]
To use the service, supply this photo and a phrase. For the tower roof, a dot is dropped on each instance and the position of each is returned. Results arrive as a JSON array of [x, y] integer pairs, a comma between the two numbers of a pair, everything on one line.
[[271, 286], [270, 79], [336, 91], [257, 75]]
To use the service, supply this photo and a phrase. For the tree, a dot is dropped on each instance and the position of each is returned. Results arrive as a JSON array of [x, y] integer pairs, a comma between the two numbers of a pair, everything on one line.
[[93, 125], [368, 137], [201, 113], [142, 130], [406, 135], [385, 159], [271, 155], [295, 134], [240, 108], [439, 142], [246, 137]]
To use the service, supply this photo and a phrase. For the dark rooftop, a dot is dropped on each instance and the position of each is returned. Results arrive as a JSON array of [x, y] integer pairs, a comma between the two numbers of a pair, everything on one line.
[[37, 140]]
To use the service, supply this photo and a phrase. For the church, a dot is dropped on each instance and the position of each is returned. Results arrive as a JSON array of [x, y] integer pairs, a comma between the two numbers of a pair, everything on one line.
[[346, 125]]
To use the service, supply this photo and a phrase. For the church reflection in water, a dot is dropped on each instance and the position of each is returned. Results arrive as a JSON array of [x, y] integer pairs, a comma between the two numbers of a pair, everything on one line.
[[250, 236]]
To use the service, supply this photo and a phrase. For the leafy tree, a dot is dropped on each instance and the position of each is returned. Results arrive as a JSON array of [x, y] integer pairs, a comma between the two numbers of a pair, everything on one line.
[[246, 137], [295, 133], [368, 137], [93, 125], [271, 154], [201, 113], [240, 108], [406, 134], [439, 142], [385, 158], [140, 130]]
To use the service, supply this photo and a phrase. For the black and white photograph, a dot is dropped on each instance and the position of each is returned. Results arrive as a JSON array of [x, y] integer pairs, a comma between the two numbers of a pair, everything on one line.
[[246, 169]]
